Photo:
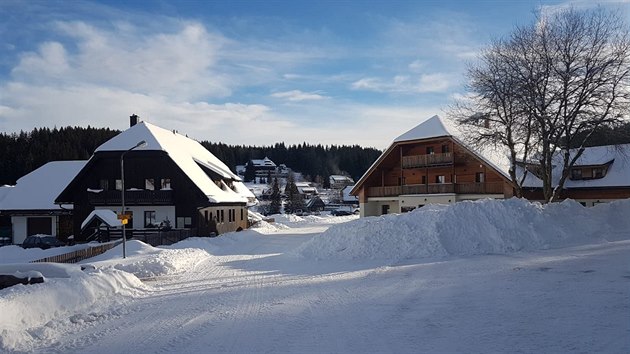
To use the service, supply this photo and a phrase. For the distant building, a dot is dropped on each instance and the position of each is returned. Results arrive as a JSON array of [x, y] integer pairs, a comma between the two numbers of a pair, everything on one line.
[[306, 189], [340, 182], [264, 168], [347, 198]]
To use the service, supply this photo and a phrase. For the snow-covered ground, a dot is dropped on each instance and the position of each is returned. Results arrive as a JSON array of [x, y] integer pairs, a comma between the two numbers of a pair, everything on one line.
[[483, 277]]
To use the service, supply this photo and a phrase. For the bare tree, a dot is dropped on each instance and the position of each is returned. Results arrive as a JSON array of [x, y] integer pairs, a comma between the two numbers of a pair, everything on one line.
[[549, 86]]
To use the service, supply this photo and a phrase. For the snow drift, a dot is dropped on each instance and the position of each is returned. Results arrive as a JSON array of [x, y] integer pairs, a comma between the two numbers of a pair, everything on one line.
[[471, 228]]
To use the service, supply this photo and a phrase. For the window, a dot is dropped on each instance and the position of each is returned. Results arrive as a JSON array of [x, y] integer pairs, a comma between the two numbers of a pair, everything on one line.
[[205, 212], [222, 219], [479, 177], [165, 183], [424, 179], [184, 222], [384, 209], [430, 150], [242, 214], [118, 185], [576, 173], [598, 172], [440, 179], [150, 219], [444, 148], [103, 184], [149, 184]]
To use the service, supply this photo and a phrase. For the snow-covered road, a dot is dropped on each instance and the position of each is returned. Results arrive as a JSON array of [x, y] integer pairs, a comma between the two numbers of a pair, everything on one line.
[[253, 297]]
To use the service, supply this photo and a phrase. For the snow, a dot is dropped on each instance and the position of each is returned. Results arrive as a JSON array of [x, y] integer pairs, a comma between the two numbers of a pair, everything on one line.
[[431, 128], [39, 189], [477, 277]]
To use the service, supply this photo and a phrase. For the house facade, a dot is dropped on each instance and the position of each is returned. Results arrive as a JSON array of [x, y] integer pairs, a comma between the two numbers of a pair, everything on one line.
[[429, 164], [173, 181]]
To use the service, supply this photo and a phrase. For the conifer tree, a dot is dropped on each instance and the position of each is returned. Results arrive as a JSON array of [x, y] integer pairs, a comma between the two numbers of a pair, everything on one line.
[[276, 201]]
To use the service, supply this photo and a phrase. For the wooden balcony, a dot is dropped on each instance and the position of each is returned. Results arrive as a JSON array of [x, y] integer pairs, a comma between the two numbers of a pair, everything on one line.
[[415, 161], [132, 197], [437, 188]]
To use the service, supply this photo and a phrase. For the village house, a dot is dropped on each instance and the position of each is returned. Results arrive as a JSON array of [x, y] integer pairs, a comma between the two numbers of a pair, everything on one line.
[[30, 204], [339, 181], [429, 164], [432, 164], [172, 181], [601, 174]]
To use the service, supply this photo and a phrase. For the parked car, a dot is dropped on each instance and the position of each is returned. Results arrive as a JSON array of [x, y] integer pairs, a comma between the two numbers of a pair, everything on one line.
[[42, 241], [341, 212]]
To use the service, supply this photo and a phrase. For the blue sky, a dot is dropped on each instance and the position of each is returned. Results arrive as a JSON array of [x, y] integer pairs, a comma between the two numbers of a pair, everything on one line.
[[248, 72]]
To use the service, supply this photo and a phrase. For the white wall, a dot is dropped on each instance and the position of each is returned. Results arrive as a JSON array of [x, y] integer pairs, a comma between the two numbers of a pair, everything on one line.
[[161, 213]]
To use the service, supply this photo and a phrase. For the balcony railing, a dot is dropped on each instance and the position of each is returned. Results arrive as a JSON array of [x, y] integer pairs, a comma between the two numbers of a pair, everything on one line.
[[479, 188], [132, 197], [427, 160], [437, 188]]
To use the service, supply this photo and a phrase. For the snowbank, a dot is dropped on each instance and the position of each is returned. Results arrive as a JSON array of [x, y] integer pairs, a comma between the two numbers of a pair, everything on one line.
[[66, 300], [471, 228], [145, 261]]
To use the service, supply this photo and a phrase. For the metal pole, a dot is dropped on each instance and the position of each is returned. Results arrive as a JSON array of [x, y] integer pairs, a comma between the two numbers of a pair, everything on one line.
[[122, 184], [141, 144]]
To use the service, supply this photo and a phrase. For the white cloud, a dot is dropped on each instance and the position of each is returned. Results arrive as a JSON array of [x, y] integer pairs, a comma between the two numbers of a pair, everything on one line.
[[181, 63], [297, 95], [424, 83]]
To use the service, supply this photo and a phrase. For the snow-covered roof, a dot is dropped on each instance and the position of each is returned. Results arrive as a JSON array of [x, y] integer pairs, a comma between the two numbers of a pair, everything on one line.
[[347, 197], [105, 215], [187, 153], [617, 175], [340, 178], [38, 189], [431, 128], [264, 162]]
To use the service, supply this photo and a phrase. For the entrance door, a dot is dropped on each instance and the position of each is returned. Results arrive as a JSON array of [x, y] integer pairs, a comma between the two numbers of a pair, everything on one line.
[[38, 225], [384, 209]]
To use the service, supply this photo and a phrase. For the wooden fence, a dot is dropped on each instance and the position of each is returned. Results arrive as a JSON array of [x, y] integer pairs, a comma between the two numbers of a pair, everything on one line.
[[79, 255]]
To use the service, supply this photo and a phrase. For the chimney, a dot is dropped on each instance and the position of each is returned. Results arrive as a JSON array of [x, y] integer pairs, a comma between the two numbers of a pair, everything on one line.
[[133, 120]]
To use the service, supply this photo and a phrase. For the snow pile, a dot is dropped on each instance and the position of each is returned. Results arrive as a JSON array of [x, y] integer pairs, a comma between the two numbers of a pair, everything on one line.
[[471, 228], [145, 261], [31, 312]]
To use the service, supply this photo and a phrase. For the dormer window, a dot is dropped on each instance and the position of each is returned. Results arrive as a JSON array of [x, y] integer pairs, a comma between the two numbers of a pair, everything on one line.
[[585, 173]]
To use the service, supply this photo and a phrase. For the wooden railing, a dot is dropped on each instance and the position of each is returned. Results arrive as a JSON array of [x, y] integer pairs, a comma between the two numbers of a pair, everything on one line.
[[153, 237], [437, 188], [79, 255], [133, 197], [479, 188], [426, 160]]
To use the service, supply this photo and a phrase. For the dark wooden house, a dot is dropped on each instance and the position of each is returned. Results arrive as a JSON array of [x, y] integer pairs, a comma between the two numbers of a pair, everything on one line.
[[173, 181]]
